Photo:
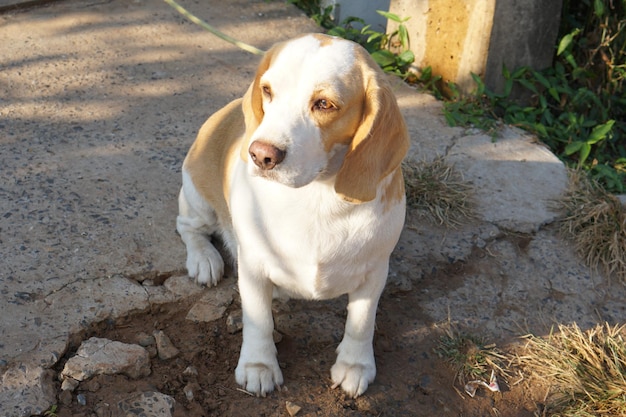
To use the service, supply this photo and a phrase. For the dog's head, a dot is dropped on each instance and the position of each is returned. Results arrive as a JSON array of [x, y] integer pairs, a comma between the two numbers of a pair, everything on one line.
[[319, 108]]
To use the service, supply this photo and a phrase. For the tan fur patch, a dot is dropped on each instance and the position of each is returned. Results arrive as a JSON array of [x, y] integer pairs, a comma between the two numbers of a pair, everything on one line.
[[380, 142], [212, 154], [394, 191]]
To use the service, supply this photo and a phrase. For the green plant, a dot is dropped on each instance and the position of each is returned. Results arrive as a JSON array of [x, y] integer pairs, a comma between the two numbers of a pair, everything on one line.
[[51, 412], [470, 356], [390, 51], [578, 106], [313, 9]]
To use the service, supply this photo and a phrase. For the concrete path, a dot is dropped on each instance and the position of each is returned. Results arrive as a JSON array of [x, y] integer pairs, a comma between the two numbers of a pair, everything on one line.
[[99, 102]]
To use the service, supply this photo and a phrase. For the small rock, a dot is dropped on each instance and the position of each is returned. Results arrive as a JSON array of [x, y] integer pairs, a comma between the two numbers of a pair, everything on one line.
[[182, 286], [166, 350], [81, 399], [69, 384], [97, 356], [212, 305], [65, 397], [103, 410], [234, 322], [189, 390], [292, 408], [144, 339], [148, 404], [190, 371]]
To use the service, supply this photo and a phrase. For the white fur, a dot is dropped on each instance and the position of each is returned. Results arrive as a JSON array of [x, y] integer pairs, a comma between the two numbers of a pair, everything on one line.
[[291, 230]]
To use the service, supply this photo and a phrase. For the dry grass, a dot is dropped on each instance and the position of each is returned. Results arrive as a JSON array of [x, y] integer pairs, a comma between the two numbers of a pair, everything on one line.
[[470, 356], [585, 370], [596, 222], [437, 191]]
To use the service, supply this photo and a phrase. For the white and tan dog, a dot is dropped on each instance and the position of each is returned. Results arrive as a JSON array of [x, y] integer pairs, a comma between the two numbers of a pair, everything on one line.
[[302, 180]]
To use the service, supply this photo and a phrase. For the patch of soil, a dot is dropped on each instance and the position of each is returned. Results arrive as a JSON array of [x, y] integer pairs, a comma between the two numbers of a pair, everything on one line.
[[411, 381]]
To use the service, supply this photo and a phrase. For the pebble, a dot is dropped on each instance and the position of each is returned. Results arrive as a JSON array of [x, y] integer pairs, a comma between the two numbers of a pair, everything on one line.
[[165, 348], [144, 339], [65, 397], [81, 399], [190, 371], [234, 322], [292, 408]]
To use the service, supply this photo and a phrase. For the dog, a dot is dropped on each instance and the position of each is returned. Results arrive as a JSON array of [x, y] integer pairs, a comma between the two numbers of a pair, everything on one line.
[[301, 178]]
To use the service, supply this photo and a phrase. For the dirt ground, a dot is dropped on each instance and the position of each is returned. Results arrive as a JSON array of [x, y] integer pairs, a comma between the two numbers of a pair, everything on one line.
[[412, 379]]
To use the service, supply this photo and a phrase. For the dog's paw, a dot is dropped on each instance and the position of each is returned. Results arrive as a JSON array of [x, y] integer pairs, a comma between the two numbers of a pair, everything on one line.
[[205, 264], [259, 377], [354, 369]]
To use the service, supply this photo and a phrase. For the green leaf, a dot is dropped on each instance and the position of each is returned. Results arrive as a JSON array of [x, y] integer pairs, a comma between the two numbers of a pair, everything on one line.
[[519, 72], [566, 41], [573, 147], [585, 149], [599, 132], [555, 95], [384, 58], [542, 80], [404, 36], [391, 16], [527, 85], [505, 72], [480, 85], [598, 8], [407, 57]]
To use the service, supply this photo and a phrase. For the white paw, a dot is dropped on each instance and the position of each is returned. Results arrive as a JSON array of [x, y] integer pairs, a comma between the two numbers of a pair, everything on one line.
[[354, 370], [205, 264], [259, 375]]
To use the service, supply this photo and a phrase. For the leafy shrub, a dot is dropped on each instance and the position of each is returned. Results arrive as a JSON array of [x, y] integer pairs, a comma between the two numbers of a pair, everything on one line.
[[578, 106]]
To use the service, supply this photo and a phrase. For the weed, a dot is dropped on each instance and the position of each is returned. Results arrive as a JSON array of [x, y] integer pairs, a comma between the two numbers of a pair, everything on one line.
[[470, 356], [390, 51], [51, 412], [586, 371], [437, 191]]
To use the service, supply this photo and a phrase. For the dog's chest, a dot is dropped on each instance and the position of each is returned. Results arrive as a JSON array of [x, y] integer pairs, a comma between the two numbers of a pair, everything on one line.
[[305, 240]]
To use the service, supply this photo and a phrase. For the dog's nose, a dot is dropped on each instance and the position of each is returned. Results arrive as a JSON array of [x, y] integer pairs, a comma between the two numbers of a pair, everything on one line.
[[266, 156]]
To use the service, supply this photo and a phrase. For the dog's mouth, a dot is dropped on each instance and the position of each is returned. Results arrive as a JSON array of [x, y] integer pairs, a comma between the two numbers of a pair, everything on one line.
[[287, 177]]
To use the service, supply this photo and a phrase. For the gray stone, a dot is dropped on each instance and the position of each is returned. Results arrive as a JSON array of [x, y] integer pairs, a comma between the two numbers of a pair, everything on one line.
[[516, 180], [213, 303], [165, 348], [182, 285], [26, 390], [147, 404], [97, 356]]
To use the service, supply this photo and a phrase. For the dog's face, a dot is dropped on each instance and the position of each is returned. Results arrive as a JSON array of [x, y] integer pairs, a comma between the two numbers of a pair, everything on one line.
[[318, 103]]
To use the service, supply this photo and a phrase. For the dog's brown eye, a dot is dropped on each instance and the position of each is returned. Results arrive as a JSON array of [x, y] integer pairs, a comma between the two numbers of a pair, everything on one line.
[[323, 104], [267, 91]]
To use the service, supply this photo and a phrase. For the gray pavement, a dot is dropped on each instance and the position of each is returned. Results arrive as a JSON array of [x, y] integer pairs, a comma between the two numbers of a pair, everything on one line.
[[99, 102]]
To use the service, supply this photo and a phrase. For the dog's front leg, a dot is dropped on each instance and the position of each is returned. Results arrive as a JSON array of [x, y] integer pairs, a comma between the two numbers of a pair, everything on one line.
[[355, 367], [257, 371]]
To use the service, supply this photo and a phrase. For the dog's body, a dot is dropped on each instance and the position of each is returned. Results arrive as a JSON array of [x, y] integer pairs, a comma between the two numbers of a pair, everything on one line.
[[302, 180]]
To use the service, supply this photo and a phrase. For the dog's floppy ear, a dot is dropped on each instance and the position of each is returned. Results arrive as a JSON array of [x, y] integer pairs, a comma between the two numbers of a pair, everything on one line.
[[380, 142], [253, 100]]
